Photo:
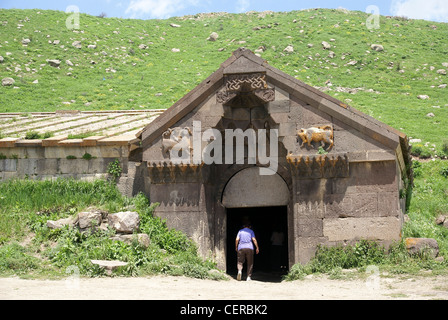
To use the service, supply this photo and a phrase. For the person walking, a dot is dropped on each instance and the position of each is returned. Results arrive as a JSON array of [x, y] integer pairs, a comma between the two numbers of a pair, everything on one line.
[[244, 246]]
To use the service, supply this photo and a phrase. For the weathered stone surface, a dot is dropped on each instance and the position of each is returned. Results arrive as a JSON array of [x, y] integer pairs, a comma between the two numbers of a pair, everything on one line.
[[377, 47], [89, 219], [125, 222], [142, 239], [422, 246], [54, 63], [369, 228], [59, 224], [7, 82], [109, 265]]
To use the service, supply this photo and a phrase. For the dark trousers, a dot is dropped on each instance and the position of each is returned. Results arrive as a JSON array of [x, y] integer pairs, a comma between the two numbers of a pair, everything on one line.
[[246, 255]]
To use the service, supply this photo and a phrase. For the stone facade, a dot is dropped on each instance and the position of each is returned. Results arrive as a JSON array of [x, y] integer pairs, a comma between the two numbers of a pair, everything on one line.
[[338, 172]]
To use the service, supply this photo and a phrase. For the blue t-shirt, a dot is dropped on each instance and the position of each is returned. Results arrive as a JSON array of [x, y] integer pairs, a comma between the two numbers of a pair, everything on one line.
[[245, 235]]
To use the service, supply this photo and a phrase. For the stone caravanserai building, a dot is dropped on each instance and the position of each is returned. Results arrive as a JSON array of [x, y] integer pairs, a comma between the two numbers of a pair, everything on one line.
[[307, 164]]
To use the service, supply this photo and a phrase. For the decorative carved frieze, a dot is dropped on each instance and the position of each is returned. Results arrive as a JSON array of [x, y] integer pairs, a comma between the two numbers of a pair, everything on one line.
[[169, 172], [317, 167], [251, 89]]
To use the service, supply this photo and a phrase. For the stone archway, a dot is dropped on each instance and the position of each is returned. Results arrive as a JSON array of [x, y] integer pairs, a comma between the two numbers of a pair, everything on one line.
[[248, 188], [264, 201]]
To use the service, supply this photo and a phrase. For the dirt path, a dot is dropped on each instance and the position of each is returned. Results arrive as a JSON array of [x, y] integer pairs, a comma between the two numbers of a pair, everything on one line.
[[180, 288]]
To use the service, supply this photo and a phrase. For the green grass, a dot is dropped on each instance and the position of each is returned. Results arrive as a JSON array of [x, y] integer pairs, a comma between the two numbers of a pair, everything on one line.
[[143, 74], [29, 248]]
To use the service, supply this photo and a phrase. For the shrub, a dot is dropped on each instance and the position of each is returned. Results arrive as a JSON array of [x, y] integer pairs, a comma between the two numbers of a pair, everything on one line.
[[114, 169]]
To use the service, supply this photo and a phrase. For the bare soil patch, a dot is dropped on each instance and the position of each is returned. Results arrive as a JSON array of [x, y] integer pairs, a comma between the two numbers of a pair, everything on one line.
[[181, 288]]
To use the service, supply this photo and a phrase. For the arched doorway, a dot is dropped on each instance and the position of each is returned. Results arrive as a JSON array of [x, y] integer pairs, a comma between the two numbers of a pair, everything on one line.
[[263, 200]]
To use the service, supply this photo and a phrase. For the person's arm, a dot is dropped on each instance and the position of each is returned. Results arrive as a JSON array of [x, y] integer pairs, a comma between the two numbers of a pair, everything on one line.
[[256, 245], [236, 243]]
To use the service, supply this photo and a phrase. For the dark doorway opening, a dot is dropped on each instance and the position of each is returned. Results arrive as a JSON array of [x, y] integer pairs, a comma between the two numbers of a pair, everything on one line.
[[272, 261]]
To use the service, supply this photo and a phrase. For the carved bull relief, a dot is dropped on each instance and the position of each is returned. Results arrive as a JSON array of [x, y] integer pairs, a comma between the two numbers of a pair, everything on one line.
[[323, 135]]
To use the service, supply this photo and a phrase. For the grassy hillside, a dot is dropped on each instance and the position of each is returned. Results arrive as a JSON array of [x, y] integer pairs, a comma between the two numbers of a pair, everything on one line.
[[121, 74], [133, 66]]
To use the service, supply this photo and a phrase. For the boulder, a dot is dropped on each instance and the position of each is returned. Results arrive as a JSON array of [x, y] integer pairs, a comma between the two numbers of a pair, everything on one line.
[[89, 219], [422, 246], [7, 82], [109, 265], [440, 219], [54, 63], [59, 224], [124, 222], [213, 37], [377, 47], [77, 44], [326, 45], [142, 238], [289, 49]]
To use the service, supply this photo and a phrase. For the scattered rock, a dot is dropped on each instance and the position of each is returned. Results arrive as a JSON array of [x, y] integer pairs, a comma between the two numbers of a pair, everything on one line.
[[59, 224], [2, 59], [377, 47], [109, 265], [125, 222], [89, 219], [213, 37], [442, 86], [422, 246], [91, 46], [174, 25], [441, 219], [445, 64], [430, 115], [326, 45], [56, 42], [25, 42], [175, 50], [415, 141], [310, 45], [442, 72], [54, 63], [69, 63], [423, 97], [331, 55], [77, 44], [289, 49], [36, 81], [352, 63], [143, 46], [7, 82]]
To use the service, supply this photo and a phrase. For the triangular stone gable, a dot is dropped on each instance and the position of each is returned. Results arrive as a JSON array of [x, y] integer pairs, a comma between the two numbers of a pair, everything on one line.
[[288, 91]]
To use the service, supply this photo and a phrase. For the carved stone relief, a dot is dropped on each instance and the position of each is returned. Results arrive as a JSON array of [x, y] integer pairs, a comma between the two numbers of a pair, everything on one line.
[[323, 135], [246, 89]]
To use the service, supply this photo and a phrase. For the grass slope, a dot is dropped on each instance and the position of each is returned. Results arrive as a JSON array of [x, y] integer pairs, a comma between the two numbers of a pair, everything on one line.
[[156, 77]]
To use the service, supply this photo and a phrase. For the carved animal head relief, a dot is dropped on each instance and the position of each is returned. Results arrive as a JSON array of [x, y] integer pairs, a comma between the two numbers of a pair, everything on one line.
[[322, 135], [177, 142]]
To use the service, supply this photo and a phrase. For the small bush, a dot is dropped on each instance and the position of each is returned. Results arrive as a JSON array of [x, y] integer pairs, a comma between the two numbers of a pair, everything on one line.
[[114, 168]]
